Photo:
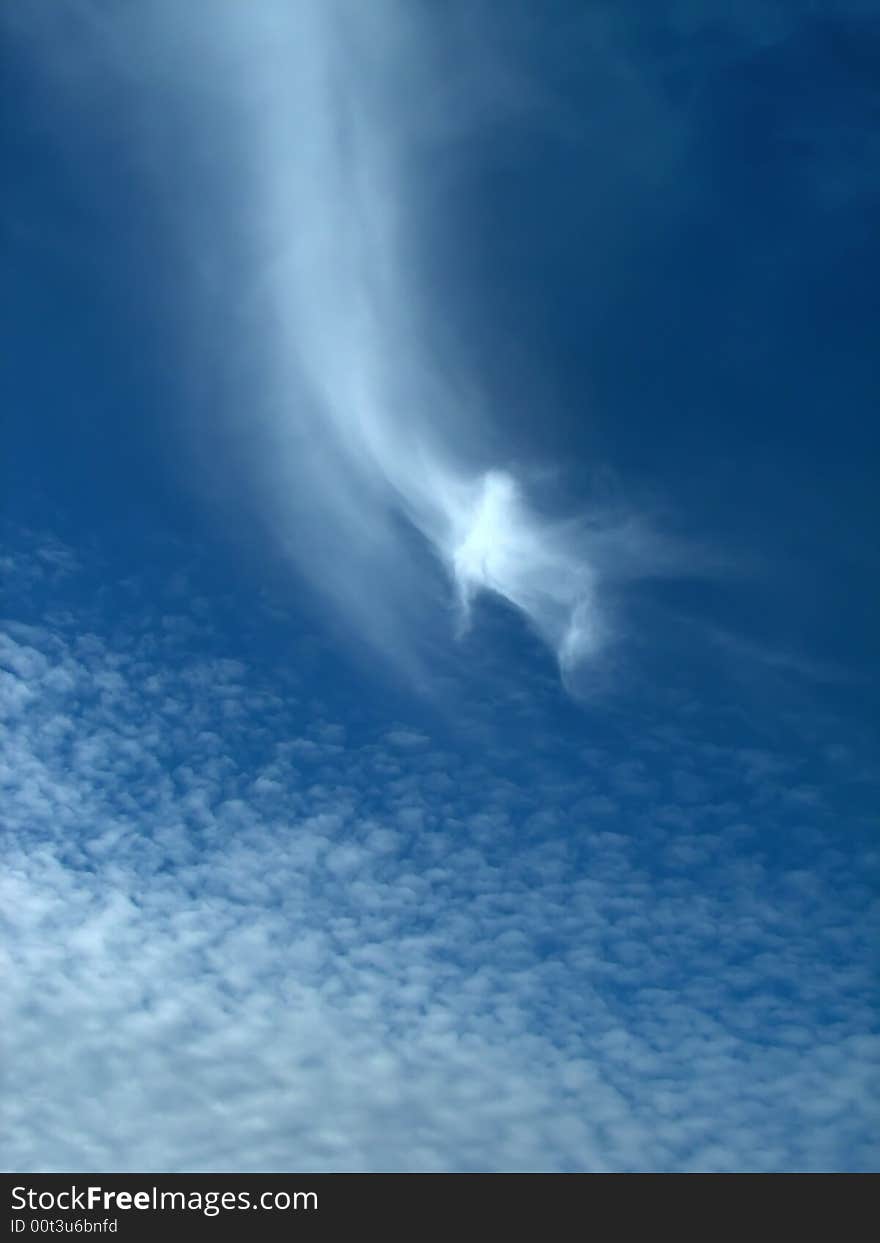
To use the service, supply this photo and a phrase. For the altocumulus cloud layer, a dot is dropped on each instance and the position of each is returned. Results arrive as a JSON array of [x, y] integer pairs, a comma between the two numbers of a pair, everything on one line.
[[239, 936]]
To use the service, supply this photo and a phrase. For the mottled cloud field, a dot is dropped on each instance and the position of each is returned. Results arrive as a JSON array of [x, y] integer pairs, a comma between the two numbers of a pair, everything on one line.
[[240, 937]]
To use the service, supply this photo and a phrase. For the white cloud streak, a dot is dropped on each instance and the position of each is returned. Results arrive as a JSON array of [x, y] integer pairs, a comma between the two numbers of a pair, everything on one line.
[[290, 143], [374, 431]]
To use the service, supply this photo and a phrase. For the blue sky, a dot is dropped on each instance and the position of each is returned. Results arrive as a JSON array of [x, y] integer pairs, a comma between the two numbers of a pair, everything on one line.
[[439, 548]]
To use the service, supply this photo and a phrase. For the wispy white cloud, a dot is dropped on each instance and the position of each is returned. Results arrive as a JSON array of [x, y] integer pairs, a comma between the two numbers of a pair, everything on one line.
[[375, 432], [300, 138]]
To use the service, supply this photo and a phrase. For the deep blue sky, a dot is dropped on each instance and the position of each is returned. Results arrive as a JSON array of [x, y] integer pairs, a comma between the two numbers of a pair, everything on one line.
[[498, 926]]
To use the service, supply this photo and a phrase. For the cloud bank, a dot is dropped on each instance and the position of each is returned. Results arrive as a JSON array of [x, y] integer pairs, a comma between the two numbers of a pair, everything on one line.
[[242, 935]]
